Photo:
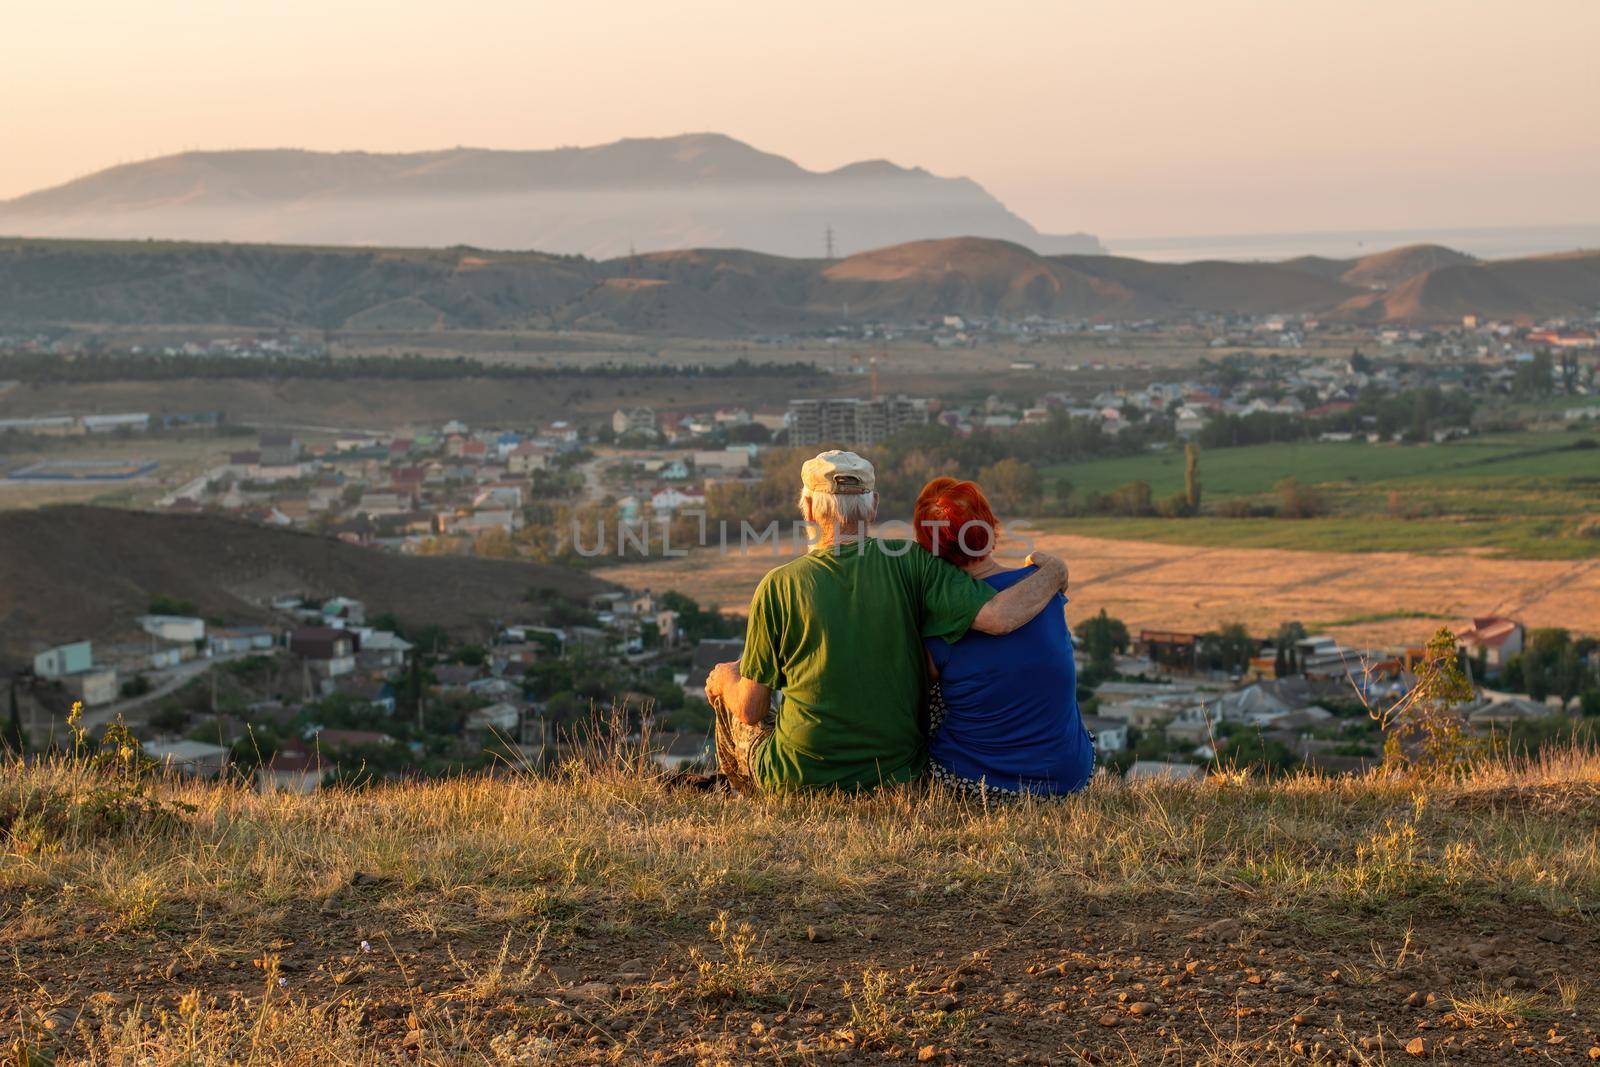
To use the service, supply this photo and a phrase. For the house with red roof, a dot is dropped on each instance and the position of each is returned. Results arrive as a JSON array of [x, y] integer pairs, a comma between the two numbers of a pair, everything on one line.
[[1495, 638]]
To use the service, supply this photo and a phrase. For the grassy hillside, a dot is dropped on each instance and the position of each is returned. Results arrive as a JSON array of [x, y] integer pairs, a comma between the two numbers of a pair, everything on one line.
[[1527, 495], [599, 918]]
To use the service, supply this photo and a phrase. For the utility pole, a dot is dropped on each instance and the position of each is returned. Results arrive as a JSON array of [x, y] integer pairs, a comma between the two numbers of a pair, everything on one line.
[[827, 239]]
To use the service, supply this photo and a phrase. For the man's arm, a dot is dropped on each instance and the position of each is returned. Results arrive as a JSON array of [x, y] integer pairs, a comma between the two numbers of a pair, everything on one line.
[[749, 701], [1019, 604]]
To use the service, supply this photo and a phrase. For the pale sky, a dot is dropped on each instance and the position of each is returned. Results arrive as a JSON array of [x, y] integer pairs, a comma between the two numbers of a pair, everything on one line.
[[1123, 118]]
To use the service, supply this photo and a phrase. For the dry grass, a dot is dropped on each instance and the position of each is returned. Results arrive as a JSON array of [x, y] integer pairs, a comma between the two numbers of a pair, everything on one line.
[[465, 889]]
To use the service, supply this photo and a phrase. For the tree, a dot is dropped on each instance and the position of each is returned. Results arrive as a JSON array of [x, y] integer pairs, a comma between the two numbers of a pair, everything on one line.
[[388, 621], [170, 718], [166, 605], [1231, 648], [1534, 379], [1191, 477], [1011, 485], [751, 433], [1289, 635], [1103, 637], [413, 691], [494, 543], [697, 622], [13, 737], [1064, 489], [1425, 735]]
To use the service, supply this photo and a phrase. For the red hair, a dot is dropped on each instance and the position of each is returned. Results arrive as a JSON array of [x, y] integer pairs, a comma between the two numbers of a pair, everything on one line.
[[954, 521]]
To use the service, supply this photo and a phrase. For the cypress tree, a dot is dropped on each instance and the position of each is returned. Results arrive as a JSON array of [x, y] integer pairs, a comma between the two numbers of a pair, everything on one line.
[[1191, 477], [13, 738]]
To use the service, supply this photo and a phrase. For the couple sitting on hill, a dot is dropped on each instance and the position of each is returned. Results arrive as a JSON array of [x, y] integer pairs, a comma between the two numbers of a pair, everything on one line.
[[895, 658]]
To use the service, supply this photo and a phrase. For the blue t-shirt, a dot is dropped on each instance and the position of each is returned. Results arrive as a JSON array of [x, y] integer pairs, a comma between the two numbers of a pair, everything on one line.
[[1012, 704]]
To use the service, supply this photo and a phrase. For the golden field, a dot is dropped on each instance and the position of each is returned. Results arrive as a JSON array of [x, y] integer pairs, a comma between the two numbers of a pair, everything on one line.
[[1375, 597]]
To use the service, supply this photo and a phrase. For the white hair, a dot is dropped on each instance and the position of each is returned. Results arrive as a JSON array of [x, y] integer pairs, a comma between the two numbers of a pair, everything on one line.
[[842, 511]]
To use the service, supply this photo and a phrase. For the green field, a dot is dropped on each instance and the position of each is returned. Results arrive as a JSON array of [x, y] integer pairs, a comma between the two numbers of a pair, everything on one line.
[[1530, 538], [1522, 459], [1523, 495]]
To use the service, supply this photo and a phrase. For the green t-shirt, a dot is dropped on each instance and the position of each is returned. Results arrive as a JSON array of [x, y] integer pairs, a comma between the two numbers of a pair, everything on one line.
[[840, 631]]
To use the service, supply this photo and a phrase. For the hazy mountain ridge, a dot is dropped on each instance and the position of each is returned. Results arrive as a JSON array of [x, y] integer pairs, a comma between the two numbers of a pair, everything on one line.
[[640, 193], [729, 292]]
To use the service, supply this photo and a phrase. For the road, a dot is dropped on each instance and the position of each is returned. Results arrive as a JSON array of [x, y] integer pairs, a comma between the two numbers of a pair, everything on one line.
[[164, 684]]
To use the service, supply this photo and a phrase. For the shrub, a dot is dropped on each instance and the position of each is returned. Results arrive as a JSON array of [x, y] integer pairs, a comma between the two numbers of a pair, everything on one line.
[[1173, 507], [1426, 737], [170, 718], [1296, 501], [1131, 499]]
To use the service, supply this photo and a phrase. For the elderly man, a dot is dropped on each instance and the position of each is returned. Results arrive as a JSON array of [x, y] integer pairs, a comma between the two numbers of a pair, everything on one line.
[[839, 631]]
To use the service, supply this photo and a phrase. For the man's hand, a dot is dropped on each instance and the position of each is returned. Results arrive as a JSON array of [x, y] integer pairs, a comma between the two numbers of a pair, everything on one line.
[[750, 701], [1021, 602], [722, 677], [1050, 565]]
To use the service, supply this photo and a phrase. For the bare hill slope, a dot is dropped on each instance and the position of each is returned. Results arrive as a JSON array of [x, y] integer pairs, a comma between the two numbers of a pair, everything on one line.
[[1382, 270], [72, 572], [1525, 289], [1213, 285], [728, 292], [966, 276]]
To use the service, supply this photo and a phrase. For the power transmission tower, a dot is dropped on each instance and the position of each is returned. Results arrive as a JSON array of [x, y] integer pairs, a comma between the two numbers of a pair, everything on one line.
[[827, 238]]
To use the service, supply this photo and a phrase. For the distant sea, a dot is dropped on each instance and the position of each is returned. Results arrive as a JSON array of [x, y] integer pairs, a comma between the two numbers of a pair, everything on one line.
[[1485, 243]]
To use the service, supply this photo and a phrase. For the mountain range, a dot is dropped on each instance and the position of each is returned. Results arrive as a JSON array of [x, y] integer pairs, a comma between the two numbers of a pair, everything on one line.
[[731, 292], [645, 194]]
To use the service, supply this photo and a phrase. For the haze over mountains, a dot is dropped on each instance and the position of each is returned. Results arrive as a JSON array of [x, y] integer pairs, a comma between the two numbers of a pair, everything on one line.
[[645, 194], [726, 293]]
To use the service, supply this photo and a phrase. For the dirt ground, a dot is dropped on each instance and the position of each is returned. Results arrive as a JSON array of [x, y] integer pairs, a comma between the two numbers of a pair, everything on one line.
[[1371, 598], [1168, 981]]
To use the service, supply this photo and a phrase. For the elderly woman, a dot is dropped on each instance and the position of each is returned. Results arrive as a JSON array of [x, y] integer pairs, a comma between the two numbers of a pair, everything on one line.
[[1004, 706]]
